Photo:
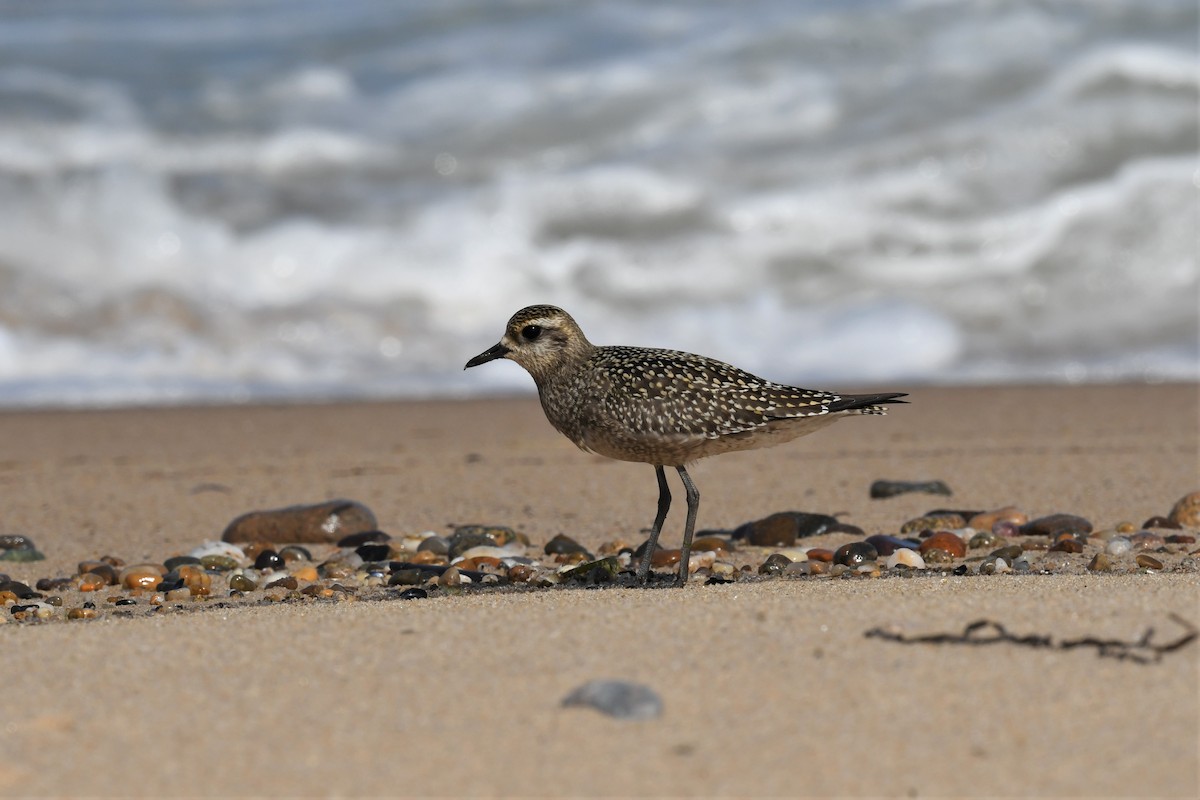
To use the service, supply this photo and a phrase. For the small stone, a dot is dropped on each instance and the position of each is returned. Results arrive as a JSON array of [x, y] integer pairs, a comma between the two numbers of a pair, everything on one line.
[[1126, 527], [220, 563], [665, 558], [142, 576], [286, 582], [176, 595], [712, 544], [886, 545], [1148, 561], [15, 547], [994, 565], [782, 529], [306, 573], [321, 523], [1067, 545], [987, 520], [1100, 563], [521, 573], [1180, 538], [451, 577], [198, 583], [177, 561], [499, 535], [933, 522], [268, 559], [775, 564], [1147, 541], [1186, 511], [905, 557], [1118, 546], [105, 571], [413, 594], [91, 582], [438, 545], [564, 545], [372, 552], [81, 613], [1009, 552], [242, 583], [53, 584], [293, 553], [946, 542], [363, 537], [1055, 524], [1161, 522], [853, 554], [618, 699], [819, 554], [882, 489], [984, 538]]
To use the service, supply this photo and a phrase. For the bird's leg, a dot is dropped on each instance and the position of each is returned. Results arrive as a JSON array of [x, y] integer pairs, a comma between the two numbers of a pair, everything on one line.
[[693, 501], [664, 505]]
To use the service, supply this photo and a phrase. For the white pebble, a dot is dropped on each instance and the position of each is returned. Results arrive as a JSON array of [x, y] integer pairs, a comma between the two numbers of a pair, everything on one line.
[[908, 558], [218, 549], [1118, 546]]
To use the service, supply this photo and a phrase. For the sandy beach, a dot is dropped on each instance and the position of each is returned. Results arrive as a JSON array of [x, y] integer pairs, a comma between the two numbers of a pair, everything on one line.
[[769, 688]]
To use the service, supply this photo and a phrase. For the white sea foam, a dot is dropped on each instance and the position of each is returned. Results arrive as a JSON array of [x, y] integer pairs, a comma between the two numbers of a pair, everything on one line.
[[838, 195]]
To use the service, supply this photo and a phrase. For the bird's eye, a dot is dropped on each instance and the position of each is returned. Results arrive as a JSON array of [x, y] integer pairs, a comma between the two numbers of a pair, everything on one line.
[[531, 332]]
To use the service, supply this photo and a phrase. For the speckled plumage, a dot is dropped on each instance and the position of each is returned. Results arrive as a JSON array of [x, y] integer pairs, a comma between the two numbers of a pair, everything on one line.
[[661, 407]]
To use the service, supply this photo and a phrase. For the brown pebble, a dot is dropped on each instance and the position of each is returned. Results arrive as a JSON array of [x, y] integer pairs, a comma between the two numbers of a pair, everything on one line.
[[91, 582], [1126, 527], [142, 576], [1067, 545], [712, 544], [451, 577], [81, 613], [1054, 524], [988, 519], [820, 554], [1180, 538], [521, 573], [1147, 541], [322, 523], [427, 557], [933, 522], [1161, 522], [1148, 561], [306, 573], [181, 593], [665, 558], [947, 542], [286, 582], [104, 570], [777, 530], [113, 561], [199, 584], [1186, 511], [1100, 563]]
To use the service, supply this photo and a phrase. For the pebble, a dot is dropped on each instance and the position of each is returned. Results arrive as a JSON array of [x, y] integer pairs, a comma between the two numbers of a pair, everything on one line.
[[1186, 511], [218, 549], [855, 553], [1100, 563], [372, 552], [994, 565], [987, 520], [1008, 552], [142, 576], [286, 582], [293, 553], [268, 559], [1067, 545], [882, 489], [242, 583], [775, 564], [106, 571], [175, 595], [665, 558], [178, 561], [220, 563], [933, 522], [712, 544], [563, 545], [1180, 538], [438, 545], [451, 577], [306, 573], [499, 534], [18, 548], [946, 542], [618, 699], [320, 523], [1148, 561], [886, 545], [1118, 546], [363, 537], [783, 528], [905, 557], [413, 594], [984, 538], [91, 582], [198, 583], [81, 613], [819, 554], [1145, 540], [1054, 524], [1160, 522]]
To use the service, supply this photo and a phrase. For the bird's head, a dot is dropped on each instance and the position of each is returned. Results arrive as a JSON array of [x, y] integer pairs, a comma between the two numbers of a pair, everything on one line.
[[542, 339]]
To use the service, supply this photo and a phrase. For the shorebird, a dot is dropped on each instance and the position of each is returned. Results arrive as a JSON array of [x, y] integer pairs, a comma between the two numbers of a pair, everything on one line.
[[667, 408]]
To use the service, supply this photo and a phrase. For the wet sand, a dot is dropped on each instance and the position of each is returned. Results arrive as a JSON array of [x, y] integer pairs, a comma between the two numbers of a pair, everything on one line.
[[768, 688]]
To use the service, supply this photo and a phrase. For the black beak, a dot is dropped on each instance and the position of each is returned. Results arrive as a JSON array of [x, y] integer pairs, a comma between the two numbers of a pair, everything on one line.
[[491, 354]]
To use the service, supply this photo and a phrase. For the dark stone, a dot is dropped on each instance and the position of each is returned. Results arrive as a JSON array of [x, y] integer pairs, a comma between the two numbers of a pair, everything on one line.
[[855, 553], [882, 489], [295, 552], [564, 545], [286, 582], [374, 551], [946, 542], [21, 590], [1161, 522], [499, 534], [1008, 553], [965, 513], [126, 601], [363, 537], [175, 562], [268, 559], [413, 594], [1067, 545], [406, 577], [782, 529], [1056, 524], [438, 545], [941, 521], [322, 523], [774, 565], [50, 584], [961, 569], [463, 540], [170, 582], [886, 545], [15, 541]]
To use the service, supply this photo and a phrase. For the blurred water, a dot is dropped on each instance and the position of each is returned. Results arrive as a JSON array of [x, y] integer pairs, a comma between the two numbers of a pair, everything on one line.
[[297, 198]]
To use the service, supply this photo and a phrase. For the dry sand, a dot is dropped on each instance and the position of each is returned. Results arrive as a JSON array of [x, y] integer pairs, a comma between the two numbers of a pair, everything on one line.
[[769, 688]]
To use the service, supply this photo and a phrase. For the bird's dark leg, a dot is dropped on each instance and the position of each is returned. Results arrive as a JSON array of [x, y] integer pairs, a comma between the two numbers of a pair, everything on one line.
[[664, 505], [693, 501]]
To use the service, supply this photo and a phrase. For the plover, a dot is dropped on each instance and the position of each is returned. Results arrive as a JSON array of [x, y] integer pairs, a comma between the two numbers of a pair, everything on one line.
[[662, 407]]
